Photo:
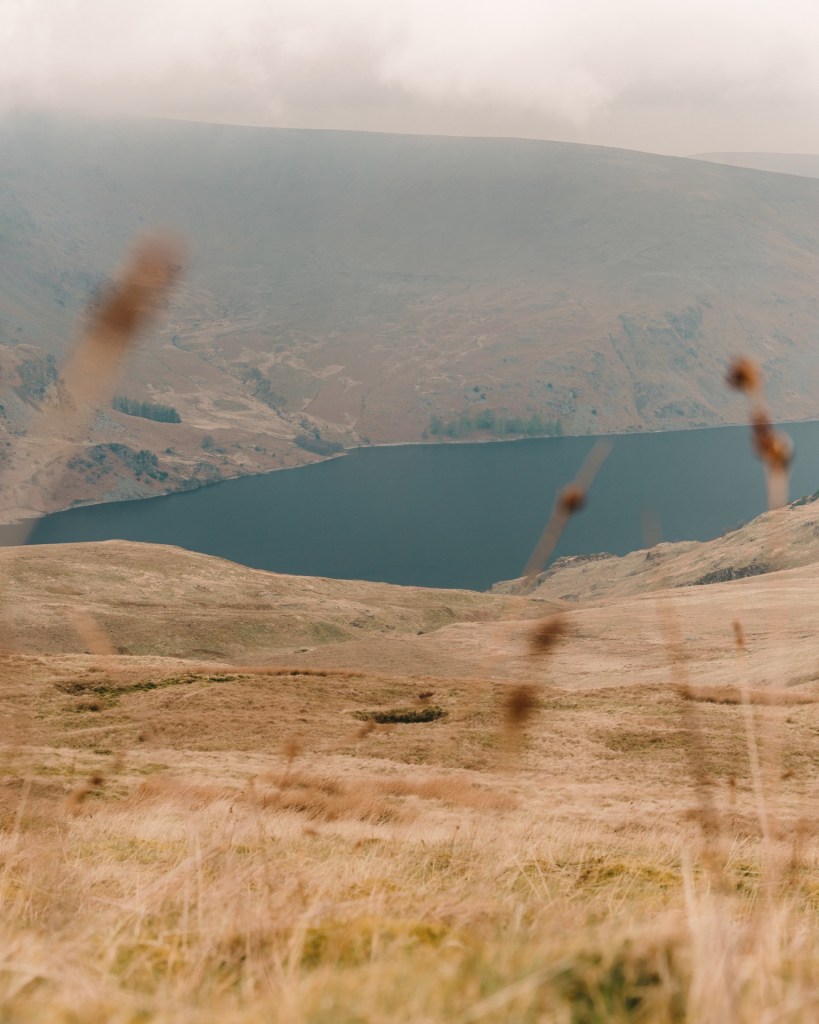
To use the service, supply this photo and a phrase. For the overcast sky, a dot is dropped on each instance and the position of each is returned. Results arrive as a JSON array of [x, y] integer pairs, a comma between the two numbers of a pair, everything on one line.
[[672, 77]]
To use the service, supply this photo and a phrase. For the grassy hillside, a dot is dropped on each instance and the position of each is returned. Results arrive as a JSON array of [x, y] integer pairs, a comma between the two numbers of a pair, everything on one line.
[[359, 286], [370, 803], [166, 601], [783, 539]]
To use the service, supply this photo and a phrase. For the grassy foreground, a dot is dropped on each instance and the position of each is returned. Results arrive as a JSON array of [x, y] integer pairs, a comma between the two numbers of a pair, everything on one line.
[[239, 845]]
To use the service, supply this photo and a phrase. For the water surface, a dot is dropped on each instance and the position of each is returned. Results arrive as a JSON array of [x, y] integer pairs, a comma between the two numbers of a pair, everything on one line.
[[458, 515]]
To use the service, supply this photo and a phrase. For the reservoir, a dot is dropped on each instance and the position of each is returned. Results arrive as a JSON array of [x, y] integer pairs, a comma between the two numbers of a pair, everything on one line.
[[453, 515]]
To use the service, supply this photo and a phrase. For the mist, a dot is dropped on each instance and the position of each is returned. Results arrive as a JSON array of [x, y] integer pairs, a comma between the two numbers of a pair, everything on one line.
[[725, 75]]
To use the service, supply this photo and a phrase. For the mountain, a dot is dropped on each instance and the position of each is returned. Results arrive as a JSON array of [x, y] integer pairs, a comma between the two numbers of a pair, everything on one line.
[[350, 288]]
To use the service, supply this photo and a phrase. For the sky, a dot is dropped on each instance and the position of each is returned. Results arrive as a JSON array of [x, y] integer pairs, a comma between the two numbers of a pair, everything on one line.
[[669, 77]]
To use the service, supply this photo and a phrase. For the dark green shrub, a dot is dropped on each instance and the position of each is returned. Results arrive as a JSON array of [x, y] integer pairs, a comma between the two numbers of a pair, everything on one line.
[[403, 716]]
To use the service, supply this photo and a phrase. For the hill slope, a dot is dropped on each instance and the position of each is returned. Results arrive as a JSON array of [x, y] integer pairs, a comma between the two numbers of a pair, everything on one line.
[[164, 601], [785, 538], [129, 602]]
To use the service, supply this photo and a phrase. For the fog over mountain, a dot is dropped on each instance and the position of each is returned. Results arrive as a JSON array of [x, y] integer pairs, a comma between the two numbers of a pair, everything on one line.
[[707, 75]]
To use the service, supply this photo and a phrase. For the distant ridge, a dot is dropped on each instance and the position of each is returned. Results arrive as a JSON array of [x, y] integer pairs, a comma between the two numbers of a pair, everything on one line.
[[803, 165]]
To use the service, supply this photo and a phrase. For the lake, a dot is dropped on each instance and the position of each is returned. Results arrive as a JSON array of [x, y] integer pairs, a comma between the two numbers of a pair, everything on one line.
[[457, 515]]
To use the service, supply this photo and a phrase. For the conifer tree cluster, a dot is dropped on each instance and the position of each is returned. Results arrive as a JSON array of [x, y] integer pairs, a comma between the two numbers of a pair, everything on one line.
[[533, 425], [147, 410]]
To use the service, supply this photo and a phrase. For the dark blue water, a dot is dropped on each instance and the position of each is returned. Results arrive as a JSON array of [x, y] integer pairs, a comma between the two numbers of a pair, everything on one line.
[[462, 515]]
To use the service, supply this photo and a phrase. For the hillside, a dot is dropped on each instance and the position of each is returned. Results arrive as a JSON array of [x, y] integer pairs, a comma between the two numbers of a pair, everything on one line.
[[66, 604], [785, 538], [349, 287], [164, 601], [365, 803]]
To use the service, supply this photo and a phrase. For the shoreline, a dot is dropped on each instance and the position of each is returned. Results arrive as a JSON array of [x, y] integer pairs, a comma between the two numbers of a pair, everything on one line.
[[12, 518]]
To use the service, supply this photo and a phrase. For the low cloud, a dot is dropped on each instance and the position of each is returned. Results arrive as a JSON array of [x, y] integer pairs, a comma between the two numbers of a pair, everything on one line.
[[595, 70]]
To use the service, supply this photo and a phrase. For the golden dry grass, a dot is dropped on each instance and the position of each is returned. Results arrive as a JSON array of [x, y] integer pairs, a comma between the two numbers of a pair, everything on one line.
[[183, 841]]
